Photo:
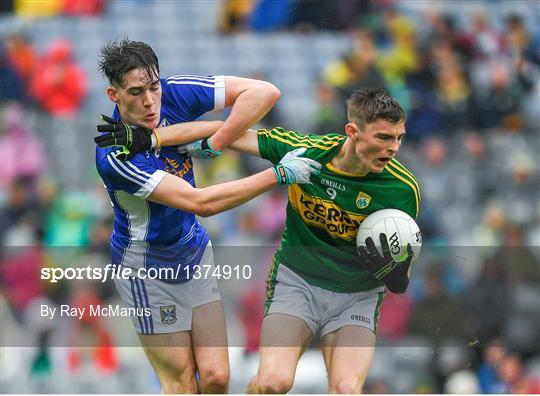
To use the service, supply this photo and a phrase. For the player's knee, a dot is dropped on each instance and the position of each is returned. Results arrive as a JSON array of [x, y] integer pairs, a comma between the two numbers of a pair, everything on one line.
[[175, 378], [346, 386], [215, 380], [179, 385], [275, 382]]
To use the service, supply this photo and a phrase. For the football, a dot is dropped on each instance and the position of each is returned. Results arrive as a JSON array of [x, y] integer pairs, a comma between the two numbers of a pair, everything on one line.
[[400, 230]]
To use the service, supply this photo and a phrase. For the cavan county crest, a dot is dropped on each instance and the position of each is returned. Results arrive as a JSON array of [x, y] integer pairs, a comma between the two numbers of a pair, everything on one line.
[[168, 314]]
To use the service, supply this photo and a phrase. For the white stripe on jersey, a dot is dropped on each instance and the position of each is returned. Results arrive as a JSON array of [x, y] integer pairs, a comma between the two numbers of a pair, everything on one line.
[[190, 83], [219, 93], [191, 77], [151, 184], [122, 173], [135, 172], [138, 214], [146, 174], [189, 234], [191, 257]]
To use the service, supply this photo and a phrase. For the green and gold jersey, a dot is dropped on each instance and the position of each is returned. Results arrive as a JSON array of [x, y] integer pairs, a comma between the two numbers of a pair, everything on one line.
[[319, 241]]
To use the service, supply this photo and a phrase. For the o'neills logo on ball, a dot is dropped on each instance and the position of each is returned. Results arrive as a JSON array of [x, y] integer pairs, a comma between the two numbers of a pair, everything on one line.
[[363, 200]]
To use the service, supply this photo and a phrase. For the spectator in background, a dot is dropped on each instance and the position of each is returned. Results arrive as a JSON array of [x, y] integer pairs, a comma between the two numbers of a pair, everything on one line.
[[235, 15], [436, 316], [270, 220], [270, 15], [489, 231], [522, 265], [443, 28], [84, 7], [422, 118], [11, 86], [512, 376], [500, 103], [330, 114], [452, 94], [487, 316], [517, 38], [395, 315], [311, 15], [492, 356], [21, 55], [355, 70], [37, 9], [21, 152], [59, 85], [401, 57], [20, 270], [486, 40]]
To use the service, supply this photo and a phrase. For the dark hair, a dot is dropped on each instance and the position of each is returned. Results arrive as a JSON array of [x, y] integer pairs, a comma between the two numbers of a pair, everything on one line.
[[369, 104], [118, 58]]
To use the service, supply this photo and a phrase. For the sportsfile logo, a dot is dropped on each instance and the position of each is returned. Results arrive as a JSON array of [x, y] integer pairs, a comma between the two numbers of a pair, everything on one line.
[[325, 214]]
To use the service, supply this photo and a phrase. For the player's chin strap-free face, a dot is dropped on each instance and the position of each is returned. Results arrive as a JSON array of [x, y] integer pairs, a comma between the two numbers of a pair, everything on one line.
[[394, 274]]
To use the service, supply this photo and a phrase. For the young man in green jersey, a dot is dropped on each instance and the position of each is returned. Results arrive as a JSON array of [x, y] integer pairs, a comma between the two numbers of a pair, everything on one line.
[[318, 281]]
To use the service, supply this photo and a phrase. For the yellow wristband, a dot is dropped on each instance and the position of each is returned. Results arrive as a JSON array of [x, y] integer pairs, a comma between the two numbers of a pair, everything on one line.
[[158, 138]]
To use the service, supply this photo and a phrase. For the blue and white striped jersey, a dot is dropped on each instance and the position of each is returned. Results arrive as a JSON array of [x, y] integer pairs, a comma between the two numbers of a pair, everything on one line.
[[147, 234]]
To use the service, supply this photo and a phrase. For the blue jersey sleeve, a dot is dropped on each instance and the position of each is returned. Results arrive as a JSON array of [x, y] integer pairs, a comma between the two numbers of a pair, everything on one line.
[[187, 97], [137, 176]]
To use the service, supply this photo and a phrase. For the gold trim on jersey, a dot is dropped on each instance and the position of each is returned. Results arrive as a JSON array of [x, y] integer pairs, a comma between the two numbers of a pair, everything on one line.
[[340, 172], [320, 213], [400, 166], [294, 139], [410, 184]]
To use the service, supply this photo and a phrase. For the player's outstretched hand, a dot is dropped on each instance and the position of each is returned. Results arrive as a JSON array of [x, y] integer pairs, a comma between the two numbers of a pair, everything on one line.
[[199, 149], [293, 168], [132, 140], [394, 274]]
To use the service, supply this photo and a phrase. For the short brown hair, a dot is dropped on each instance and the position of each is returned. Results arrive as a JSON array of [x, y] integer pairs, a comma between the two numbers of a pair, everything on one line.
[[118, 58], [367, 105]]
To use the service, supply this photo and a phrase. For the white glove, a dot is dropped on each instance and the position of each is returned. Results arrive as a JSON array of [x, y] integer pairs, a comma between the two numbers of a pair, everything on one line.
[[293, 168]]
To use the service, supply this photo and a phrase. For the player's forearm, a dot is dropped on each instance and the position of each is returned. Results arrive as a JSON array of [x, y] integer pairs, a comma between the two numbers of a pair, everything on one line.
[[249, 107], [221, 197], [187, 132], [247, 143]]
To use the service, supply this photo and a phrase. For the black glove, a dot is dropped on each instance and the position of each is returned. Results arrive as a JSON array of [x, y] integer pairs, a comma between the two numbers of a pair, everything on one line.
[[132, 140], [394, 275]]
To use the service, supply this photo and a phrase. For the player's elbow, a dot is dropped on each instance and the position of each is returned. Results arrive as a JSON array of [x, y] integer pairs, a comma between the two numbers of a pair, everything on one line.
[[272, 92], [275, 93], [204, 211], [201, 209], [206, 208]]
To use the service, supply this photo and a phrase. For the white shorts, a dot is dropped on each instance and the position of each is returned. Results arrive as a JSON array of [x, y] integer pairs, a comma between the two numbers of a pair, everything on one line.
[[324, 310], [163, 307]]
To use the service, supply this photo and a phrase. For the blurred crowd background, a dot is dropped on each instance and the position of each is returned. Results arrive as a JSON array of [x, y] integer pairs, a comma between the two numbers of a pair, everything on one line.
[[467, 74]]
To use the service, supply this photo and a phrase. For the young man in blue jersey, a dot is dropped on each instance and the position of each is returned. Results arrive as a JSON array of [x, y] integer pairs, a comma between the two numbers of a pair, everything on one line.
[[155, 201], [340, 301]]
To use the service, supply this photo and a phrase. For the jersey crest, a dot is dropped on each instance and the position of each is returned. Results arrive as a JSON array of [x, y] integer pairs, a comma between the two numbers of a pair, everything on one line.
[[363, 200], [168, 314]]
